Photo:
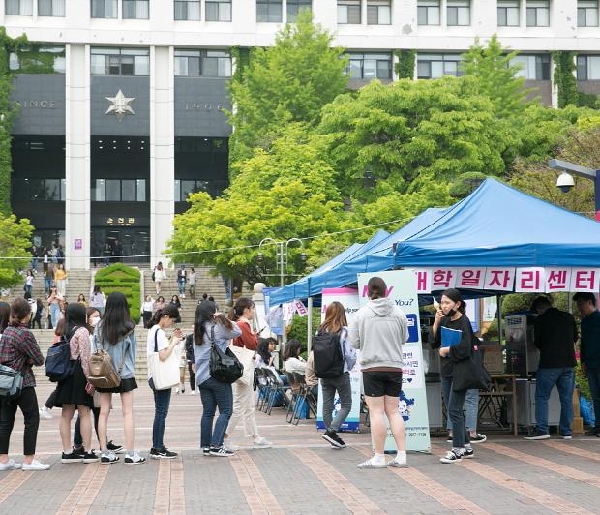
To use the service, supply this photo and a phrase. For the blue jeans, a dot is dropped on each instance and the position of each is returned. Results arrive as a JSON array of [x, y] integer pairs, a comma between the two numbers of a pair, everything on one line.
[[456, 405], [471, 410], [564, 379], [214, 394], [329, 386], [54, 314], [593, 377], [162, 399], [181, 285]]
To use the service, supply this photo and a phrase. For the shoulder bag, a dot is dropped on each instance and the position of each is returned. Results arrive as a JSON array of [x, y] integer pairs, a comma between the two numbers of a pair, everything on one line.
[[246, 357], [165, 374], [470, 373], [102, 371], [224, 365], [11, 382]]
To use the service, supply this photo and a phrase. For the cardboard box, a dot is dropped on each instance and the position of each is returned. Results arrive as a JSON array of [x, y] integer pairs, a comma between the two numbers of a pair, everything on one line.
[[493, 358]]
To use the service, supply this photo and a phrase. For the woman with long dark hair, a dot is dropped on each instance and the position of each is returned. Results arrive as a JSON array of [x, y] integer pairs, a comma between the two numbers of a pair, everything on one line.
[[115, 334], [335, 322], [212, 327], [19, 350], [75, 391], [451, 315], [157, 339], [243, 394]]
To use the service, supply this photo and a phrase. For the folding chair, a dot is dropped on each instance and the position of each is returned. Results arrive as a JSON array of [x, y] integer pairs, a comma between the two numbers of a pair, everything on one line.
[[276, 390]]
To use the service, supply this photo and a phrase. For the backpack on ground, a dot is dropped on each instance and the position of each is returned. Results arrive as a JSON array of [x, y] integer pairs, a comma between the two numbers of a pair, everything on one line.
[[328, 354], [59, 365]]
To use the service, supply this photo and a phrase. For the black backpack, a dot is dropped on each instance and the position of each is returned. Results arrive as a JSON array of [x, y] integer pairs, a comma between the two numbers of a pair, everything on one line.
[[328, 354]]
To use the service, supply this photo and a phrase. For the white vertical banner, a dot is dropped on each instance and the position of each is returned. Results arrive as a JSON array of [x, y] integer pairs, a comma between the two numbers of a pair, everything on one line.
[[402, 289], [349, 299]]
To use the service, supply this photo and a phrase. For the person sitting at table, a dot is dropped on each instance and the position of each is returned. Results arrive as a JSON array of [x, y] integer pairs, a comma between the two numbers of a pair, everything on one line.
[[292, 361]]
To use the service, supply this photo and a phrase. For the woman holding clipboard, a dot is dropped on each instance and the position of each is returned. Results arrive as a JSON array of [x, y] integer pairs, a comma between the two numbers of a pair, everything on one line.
[[453, 335]]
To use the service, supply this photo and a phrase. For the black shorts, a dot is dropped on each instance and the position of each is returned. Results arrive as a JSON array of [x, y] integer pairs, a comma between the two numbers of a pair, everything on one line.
[[378, 384], [126, 386]]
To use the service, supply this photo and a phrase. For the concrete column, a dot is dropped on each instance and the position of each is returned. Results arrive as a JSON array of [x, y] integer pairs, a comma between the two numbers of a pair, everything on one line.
[[77, 157], [162, 150]]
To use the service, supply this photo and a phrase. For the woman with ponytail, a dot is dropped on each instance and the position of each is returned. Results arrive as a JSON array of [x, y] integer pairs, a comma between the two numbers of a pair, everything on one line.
[[243, 394]]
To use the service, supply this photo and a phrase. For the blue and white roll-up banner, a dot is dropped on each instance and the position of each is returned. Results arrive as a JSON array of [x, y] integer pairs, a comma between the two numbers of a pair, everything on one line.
[[402, 289]]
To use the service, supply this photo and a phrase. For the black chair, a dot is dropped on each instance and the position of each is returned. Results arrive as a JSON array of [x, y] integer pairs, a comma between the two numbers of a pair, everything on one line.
[[276, 390]]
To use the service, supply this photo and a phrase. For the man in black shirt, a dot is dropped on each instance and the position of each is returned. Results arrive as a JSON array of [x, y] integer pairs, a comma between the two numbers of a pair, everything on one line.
[[555, 334]]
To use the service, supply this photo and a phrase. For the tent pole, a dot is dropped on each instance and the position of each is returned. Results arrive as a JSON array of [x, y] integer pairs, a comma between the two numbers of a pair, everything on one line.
[[499, 315], [309, 335]]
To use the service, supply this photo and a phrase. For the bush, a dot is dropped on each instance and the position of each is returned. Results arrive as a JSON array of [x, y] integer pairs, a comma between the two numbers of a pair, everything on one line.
[[125, 279]]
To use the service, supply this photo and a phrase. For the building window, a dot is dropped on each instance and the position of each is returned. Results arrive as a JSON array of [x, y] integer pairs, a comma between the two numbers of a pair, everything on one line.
[[218, 11], [204, 63], [509, 13], [43, 59], [104, 8], [433, 66], [119, 190], [136, 9], [458, 12], [293, 7], [348, 12], [186, 10], [537, 13], [428, 12], [588, 67], [369, 66], [587, 13], [51, 7], [20, 7], [379, 12], [33, 189], [533, 67], [269, 10], [120, 61]]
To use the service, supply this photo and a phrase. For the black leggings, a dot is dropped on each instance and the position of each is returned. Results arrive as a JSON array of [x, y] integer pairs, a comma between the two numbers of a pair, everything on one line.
[[192, 376]]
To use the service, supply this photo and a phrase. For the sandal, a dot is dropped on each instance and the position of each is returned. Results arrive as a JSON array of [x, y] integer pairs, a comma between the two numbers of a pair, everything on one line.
[[372, 464]]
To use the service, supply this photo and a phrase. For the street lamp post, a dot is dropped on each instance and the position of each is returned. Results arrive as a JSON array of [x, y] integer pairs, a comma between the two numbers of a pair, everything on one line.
[[565, 181], [281, 254]]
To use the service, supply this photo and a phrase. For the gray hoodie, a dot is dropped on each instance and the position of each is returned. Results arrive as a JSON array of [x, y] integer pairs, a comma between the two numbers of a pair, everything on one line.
[[379, 329]]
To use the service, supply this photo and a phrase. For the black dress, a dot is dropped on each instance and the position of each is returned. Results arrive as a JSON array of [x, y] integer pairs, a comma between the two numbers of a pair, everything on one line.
[[72, 390]]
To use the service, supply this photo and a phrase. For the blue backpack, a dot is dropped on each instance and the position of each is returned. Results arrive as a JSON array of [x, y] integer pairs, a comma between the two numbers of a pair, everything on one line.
[[59, 365]]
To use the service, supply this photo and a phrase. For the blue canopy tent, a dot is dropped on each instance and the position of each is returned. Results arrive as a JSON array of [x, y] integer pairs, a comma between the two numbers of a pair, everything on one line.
[[500, 226], [375, 255], [301, 289]]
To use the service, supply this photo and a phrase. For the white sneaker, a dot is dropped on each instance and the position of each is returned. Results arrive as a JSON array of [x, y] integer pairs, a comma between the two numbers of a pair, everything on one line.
[[183, 295], [192, 392], [44, 413], [10, 465], [35, 465], [177, 390], [261, 441]]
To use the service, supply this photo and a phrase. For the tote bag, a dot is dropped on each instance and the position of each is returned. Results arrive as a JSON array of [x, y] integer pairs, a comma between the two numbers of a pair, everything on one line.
[[246, 358], [470, 373], [165, 374]]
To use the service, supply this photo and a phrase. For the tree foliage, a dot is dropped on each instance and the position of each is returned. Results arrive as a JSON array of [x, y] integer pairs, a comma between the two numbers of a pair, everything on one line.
[[288, 82], [15, 240], [282, 194]]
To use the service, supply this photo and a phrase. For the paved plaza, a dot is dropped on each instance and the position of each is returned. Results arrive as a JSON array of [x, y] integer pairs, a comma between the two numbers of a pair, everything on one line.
[[301, 474]]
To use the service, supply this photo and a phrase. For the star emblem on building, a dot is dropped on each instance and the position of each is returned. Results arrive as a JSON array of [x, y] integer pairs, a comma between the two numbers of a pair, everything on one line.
[[119, 106]]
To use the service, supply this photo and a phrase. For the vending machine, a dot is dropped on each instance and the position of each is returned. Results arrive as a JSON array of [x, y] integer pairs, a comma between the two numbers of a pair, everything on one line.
[[522, 356]]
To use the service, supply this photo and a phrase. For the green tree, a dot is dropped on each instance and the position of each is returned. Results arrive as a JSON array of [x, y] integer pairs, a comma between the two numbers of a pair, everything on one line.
[[15, 240], [410, 134], [564, 78], [288, 192], [499, 80], [288, 82]]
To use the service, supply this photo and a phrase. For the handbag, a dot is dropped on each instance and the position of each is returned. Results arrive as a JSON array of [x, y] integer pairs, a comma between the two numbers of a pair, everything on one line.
[[11, 382], [102, 371], [470, 373], [164, 374], [246, 357], [59, 365], [224, 365]]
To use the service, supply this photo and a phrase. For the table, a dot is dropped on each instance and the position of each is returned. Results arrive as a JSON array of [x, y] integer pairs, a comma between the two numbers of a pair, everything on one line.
[[503, 387]]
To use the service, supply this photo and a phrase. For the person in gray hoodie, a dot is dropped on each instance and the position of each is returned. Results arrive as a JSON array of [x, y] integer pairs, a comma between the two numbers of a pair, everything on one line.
[[380, 329]]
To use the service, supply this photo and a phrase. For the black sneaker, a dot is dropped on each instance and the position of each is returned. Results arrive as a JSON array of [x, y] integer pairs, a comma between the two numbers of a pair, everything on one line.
[[221, 451], [116, 448], [78, 450], [205, 451], [90, 457], [71, 458], [452, 457], [468, 453], [477, 438], [134, 459], [537, 435], [108, 458], [162, 454], [333, 438]]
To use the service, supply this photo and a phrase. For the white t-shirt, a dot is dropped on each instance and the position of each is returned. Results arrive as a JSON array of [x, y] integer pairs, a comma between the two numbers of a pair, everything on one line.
[[161, 340]]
